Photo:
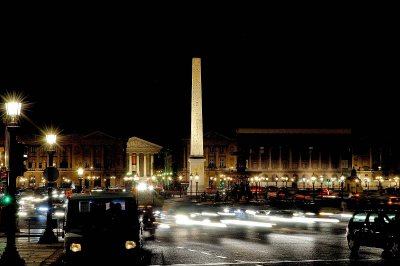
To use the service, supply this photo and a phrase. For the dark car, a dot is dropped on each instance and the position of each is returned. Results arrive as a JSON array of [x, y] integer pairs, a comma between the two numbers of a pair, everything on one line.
[[102, 223], [374, 228]]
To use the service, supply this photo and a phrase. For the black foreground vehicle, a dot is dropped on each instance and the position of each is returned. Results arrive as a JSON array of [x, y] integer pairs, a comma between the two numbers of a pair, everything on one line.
[[375, 228]]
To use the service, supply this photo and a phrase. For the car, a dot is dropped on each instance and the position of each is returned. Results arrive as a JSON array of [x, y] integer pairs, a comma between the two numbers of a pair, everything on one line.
[[148, 219], [102, 223], [393, 200], [374, 228]]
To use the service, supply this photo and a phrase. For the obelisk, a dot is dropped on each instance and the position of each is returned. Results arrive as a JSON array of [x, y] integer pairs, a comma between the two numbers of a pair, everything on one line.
[[196, 159]]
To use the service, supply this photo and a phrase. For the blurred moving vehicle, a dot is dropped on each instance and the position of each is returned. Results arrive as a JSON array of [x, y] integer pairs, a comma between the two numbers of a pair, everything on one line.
[[374, 228], [102, 223], [148, 219]]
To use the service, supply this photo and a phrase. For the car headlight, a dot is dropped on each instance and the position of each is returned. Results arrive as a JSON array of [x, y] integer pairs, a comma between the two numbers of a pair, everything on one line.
[[75, 247], [59, 214], [130, 244]]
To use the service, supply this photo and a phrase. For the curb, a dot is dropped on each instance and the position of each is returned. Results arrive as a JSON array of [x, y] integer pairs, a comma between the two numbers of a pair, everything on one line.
[[53, 258]]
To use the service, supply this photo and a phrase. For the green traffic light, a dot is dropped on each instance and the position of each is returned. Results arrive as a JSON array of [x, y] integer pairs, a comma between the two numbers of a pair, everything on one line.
[[7, 199]]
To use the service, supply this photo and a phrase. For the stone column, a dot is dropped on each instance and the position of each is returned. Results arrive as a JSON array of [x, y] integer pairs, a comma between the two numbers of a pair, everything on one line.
[[92, 149], [137, 164], [144, 165], [151, 164], [370, 158], [270, 158], [130, 162], [102, 156], [320, 161], [250, 160], [300, 166]]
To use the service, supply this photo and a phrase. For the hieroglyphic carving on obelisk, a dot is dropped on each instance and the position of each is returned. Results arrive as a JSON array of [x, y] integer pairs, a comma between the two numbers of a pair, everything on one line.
[[196, 160], [196, 137]]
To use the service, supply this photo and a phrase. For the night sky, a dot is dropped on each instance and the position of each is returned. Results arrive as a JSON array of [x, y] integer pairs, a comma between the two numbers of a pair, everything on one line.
[[109, 73]]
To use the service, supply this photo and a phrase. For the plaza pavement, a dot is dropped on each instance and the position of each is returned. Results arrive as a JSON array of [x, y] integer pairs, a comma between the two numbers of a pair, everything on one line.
[[34, 254]]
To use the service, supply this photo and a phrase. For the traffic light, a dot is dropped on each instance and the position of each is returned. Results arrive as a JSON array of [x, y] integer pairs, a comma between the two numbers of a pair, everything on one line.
[[222, 184], [6, 200]]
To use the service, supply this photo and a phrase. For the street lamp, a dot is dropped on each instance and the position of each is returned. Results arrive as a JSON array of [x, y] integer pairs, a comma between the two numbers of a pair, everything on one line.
[[313, 178], [304, 183], [180, 186], [191, 178], [366, 180], [80, 174], [379, 183], [51, 173], [396, 179], [333, 183], [10, 255], [341, 185], [197, 183], [321, 178], [256, 178]]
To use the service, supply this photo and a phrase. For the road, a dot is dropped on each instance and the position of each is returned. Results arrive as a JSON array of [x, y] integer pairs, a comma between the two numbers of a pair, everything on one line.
[[285, 243], [319, 243]]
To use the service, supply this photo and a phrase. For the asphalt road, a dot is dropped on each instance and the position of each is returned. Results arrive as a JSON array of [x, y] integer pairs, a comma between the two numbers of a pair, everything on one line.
[[309, 244], [317, 243]]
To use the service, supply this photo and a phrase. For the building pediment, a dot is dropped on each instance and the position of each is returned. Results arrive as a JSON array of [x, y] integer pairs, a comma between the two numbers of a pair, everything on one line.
[[138, 145], [216, 136], [98, 135]]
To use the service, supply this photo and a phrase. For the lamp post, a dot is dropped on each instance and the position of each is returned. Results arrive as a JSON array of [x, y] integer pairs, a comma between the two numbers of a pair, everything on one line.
[[321, 178], [276, 181], [396, 179], [180, 186], [10, 255], [51, 173], [191, 178], [304, 183], [380, 183], [80, 174], [313, 178], [341, 186], [366, 180], [256, 178], [197, 184]]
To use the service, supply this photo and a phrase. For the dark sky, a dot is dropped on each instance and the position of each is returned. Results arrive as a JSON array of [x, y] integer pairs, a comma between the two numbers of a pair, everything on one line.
[[103, 71]]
